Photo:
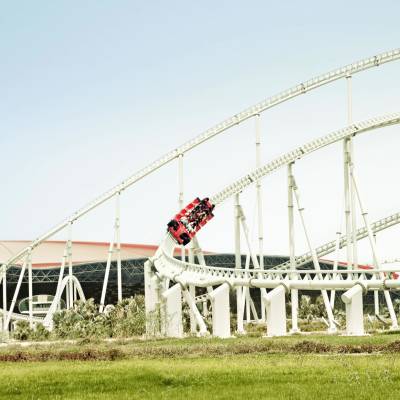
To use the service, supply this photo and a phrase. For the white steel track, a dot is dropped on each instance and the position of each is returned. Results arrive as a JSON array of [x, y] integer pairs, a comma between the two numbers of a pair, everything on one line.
[[201, 275], [302, 88]]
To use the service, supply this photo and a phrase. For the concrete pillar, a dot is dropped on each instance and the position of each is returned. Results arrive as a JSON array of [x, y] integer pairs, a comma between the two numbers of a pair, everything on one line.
[[276, 311], [173, 311], [151, 300], [354, 310], [221, 311]]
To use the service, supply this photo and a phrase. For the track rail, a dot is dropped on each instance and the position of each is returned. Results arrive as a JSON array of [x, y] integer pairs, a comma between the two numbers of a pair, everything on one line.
[[172, 267], [201, 275], [300, 152], [302, 88]]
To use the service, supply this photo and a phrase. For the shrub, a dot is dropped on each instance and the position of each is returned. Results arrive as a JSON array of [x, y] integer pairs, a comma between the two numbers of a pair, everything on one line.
[[81, 321], [24, 332], [84, 321], [127, 318]]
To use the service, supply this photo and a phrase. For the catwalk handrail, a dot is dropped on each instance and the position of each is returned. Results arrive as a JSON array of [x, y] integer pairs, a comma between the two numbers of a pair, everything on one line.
[[311, 84]]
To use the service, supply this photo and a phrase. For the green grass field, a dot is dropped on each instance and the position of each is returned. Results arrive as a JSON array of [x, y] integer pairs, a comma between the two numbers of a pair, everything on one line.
[[316, 367]]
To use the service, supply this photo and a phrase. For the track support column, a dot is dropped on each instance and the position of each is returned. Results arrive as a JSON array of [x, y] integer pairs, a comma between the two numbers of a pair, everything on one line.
[[259, 207], [30, 288], [276, 311], [152, 301], [118, 240], [354, 310], [70, 299], [173, 311], [220, 311], [372, 244], [238, 265], [4, 281], [294, 293]]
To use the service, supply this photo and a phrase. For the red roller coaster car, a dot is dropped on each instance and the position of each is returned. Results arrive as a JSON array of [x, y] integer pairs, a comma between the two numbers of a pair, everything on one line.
[[190, 220]]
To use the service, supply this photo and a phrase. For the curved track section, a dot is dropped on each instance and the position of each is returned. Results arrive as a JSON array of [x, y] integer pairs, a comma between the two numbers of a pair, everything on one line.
[[201, 275], [20, 317], [236, 119]]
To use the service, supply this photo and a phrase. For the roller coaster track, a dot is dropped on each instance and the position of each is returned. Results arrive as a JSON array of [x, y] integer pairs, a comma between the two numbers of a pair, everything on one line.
[[236, 119], [20, 317], [174, 269]]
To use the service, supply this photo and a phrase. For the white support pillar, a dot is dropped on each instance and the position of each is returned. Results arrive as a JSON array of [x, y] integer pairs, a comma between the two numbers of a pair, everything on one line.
[[376, 292], [151, 299], [238, 265], [259, 206], [347, 202], [294, 293], [70, 301], [106, 274], [30, 288], [332, 327], [16, 292], [221, 311], [4, 281], [197, 251], [180, 196], [276, 311], [351, 166], [192, 290], [61, 273], [199, 319], [173, 311], [335, 267], [118, 239], [376, 302], [354, 310], [253, 257], [377, 263]]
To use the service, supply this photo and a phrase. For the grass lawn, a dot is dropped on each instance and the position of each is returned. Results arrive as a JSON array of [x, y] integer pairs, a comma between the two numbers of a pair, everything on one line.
[[210, 369]]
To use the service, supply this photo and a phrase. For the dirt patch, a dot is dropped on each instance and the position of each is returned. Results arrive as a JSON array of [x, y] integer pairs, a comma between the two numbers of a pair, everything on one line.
[[85, 355], [308, 346]]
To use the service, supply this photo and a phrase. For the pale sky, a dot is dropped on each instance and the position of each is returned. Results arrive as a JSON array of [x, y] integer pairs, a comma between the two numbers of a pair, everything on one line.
[[92, 91]]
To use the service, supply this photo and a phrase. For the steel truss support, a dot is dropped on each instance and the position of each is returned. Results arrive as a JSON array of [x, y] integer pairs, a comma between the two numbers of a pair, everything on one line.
[[376, 292], [192, 305], [30, 287], [259, 205], [180, 196], [16, 292], [4, 282], [192, 289], [349, 195], [254, 259], [118, 248], [70, 301], [193, 244], [294, 293], [65, 283], [335, 266], [238, 264], [332, 327], [377, 263], [115, 245]]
